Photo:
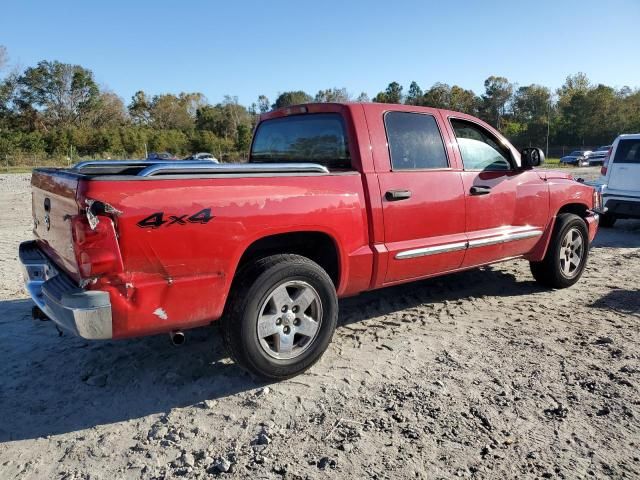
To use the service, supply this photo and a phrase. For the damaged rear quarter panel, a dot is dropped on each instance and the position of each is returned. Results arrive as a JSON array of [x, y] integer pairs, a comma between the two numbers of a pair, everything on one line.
[[184, 269]]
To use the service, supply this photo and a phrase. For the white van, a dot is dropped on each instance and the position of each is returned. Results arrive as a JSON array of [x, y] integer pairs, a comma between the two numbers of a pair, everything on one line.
[[621, 180]]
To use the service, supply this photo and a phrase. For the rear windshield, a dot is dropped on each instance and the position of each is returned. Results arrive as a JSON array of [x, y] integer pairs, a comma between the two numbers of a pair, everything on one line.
[[628, 151], [314, 138]]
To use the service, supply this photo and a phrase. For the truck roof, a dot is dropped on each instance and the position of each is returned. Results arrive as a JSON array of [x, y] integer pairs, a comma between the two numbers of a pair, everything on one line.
[[303, 108]]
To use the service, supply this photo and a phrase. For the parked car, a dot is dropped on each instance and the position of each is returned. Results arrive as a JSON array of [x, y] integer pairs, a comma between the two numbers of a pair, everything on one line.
[[203, 156], [598, 155], [621, 180], [579, 158], [336, 199], [161, 156]]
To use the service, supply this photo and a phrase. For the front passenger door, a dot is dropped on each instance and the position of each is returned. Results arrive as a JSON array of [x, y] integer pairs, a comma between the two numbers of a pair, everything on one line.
[[506, 207]]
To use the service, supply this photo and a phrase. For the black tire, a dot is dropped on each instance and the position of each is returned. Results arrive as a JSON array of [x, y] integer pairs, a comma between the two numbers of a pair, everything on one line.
[[549, 271], [252, 287], [607, 220]]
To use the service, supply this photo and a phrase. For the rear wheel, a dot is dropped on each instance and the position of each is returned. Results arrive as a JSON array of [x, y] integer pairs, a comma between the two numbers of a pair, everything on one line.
[[566, 255], [281, 317]]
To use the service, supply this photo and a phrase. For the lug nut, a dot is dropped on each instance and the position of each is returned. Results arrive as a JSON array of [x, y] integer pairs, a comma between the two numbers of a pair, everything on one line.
[[284, 308], [286, 330], [295, 309], [296, 322], [279, 321]]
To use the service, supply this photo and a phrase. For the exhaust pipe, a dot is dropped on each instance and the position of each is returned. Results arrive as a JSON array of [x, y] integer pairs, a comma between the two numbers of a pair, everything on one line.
[[177, 337]]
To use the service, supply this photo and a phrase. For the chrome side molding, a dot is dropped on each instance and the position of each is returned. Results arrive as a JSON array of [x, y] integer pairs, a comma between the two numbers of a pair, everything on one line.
[[422, 252], [456, 246], [507, 237]]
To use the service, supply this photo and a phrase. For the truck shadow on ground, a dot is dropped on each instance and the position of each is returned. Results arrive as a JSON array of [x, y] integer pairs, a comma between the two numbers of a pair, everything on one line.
[[624, 234], [622, 301], [53, 385]]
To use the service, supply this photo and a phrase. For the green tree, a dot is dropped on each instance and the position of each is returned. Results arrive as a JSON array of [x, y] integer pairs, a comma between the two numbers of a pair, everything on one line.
[[495, 100], [64, 93], [108, 111], [438, 96], [465, 101], [169, 111], [288, 99], [414, 95], [531, 108], [263, 104], [243, 140], [332, 95], [140, 108], [4, 57], [392, 94]]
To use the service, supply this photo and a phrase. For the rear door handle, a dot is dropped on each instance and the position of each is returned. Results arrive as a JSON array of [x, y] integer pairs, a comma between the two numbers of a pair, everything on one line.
[[395, 195], [480, 190]]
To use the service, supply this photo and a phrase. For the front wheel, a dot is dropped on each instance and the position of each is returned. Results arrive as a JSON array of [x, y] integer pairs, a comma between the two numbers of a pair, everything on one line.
[[281, 317], [566, 255]]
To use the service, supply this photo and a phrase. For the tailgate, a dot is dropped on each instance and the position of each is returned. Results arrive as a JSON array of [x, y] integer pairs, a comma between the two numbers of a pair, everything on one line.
[[53, 206], [625, 167]]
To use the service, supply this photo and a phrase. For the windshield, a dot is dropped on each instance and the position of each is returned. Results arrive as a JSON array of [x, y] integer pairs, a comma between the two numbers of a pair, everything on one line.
[[314, 138], [576, 152]]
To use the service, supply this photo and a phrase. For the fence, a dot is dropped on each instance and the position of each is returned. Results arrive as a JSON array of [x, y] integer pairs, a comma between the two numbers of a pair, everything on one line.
[[561, 151], [21, 161]]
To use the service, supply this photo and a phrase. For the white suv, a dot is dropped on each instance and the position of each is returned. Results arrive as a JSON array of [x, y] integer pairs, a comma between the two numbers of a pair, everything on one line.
[[621, 180]]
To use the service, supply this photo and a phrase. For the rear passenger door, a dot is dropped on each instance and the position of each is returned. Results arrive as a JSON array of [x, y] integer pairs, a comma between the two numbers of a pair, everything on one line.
[[422, 197]]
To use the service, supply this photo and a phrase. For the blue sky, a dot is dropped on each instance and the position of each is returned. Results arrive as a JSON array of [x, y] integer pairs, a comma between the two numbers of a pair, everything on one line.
[[248, 48]]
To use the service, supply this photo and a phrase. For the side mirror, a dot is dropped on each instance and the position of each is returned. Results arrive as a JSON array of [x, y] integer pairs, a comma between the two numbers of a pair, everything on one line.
[[531, 157]]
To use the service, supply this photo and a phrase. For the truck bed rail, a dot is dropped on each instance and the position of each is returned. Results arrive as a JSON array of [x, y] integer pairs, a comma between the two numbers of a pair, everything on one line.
[[207, 167], [150, 168]]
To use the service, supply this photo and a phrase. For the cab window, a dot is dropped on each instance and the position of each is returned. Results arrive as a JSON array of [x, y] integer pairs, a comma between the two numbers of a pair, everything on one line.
[[479, 149], [628, 151], [315, 138], [414, 141]]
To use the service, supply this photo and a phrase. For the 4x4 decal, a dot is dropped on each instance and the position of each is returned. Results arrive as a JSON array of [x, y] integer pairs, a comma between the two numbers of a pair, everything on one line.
[[157, 219]]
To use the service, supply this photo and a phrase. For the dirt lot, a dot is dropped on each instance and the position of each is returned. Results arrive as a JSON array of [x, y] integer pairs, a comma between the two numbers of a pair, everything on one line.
[[480, 374]]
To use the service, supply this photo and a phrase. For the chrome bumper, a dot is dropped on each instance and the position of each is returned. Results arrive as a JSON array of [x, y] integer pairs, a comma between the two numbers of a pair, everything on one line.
[[86, 313]]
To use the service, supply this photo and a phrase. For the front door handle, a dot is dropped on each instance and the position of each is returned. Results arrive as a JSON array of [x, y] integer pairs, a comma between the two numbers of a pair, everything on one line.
[[395, 195], [480, 190]]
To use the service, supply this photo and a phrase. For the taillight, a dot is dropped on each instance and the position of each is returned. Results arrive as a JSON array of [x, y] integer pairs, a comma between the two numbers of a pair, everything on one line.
[[603, 169], [96, 249], [597, 199]]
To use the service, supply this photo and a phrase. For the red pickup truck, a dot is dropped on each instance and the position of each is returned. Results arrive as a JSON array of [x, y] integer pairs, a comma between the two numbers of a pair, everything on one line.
[[336, 199]]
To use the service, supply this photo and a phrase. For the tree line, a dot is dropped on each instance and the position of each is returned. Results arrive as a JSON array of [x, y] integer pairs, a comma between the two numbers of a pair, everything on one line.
[[56, 109]]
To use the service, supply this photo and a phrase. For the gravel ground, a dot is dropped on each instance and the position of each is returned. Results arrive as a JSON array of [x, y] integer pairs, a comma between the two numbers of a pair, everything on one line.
[[480, 374]]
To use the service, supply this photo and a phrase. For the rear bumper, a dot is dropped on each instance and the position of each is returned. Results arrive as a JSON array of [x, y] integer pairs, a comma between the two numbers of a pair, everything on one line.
[[625, 207], [86, 313]]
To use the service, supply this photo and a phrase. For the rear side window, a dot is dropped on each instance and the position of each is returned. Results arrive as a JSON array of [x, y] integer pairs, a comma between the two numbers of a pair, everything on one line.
[[628, 151], [314, 138], [414, 141], [479, 149]]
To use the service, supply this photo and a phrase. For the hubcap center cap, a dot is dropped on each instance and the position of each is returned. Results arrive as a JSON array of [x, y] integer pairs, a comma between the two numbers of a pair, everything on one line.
[[288, 318]]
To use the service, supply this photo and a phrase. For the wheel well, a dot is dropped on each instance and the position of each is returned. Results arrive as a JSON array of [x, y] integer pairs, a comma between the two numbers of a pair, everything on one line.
[[579, 209], [316, 246]]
